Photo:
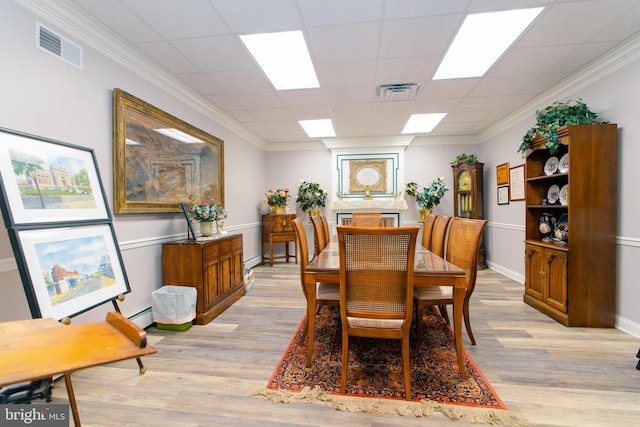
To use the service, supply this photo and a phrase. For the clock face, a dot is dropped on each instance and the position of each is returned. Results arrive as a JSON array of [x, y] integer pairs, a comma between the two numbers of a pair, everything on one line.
[[464, 181]]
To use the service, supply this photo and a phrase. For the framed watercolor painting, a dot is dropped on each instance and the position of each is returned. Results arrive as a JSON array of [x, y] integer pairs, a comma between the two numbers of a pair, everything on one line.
[[46, 181], [69, 270], [160, 160]]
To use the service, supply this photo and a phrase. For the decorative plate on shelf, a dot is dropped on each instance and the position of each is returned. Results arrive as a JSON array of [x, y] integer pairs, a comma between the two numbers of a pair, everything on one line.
[[563, 166], [563, 196], [551, 166], [553, 194]]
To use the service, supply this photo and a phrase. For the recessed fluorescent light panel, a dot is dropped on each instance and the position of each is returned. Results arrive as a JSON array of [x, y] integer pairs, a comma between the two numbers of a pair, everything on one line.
[[482, 39], [179, 135], [284, 59], [318, 128], [423, 123]]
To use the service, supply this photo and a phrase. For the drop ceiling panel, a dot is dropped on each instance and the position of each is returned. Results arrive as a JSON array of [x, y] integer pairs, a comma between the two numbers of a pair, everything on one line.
[[220, 53]]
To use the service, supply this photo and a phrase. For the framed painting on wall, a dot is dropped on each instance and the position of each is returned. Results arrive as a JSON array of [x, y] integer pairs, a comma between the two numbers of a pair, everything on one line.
[[160, 160], [68, 270], [47, 181]]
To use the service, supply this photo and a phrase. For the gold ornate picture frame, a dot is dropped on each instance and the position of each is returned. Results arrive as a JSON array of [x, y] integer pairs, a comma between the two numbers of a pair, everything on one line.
[[159, 161], [368, 175]]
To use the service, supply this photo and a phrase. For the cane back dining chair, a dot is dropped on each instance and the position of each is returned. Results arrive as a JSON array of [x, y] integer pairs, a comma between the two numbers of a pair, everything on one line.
[[319, 237], [462, 250], [376, 288], [427, 229], [439, 234], [367, 219], [326, 293]]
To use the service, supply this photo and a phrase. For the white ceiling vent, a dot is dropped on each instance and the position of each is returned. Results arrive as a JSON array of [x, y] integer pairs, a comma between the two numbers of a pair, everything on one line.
[[56, 45], [397, 91]]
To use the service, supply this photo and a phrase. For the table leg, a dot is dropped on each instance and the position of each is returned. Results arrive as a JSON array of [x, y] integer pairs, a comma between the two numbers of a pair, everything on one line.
[[458, 302], [72, 400], [270, 251], [310, 292], [287, 251]]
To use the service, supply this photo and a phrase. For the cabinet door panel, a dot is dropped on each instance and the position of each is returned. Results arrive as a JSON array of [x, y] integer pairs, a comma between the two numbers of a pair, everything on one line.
[[226, 283], [535, 266], [212, 285], [557, 277]]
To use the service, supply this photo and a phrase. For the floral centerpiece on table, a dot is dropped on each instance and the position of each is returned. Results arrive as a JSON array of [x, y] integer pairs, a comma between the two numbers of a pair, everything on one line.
[[206, 210], [430, 196], [279, 198], [311, 196]]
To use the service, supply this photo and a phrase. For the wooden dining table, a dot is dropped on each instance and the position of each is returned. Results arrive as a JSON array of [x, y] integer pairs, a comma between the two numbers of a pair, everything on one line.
[[429, 270]]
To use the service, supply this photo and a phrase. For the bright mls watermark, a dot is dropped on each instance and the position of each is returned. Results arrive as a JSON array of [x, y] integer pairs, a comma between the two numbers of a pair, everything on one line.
[[34, 415]]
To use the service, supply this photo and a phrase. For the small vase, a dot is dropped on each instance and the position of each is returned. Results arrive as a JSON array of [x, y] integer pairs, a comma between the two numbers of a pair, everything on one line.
[[279, 209], [314, 212], [220, 226], [424, 213], [272, 209], [206, 228]]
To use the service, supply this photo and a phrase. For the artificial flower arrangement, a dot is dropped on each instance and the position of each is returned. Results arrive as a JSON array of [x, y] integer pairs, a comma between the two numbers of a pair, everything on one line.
[[311, 196], [430, 196], [280, 197], [206, 210]]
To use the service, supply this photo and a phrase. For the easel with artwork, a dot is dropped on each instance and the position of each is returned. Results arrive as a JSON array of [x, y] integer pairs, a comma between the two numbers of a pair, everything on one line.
[[62, 236]]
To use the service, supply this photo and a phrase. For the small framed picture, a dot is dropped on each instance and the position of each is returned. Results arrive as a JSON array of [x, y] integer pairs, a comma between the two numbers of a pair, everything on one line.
[[503, 195], [502, 174], [516, 183]]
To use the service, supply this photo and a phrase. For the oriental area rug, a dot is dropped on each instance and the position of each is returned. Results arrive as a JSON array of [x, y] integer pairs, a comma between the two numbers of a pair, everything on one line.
[[374, 381]]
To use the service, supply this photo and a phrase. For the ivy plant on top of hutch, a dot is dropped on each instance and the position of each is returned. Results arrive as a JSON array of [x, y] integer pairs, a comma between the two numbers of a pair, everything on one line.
[[468, 193], [570, 242]]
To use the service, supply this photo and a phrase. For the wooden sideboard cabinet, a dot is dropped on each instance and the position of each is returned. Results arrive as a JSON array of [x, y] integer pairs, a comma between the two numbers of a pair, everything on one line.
[[573, 279], [278, 228], [214, 267]]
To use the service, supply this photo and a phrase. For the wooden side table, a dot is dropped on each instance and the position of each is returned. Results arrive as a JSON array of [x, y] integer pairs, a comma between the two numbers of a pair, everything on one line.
[[277, 228]]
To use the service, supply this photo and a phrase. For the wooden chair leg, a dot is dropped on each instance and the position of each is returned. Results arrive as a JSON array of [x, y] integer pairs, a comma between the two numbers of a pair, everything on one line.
[[345, 361], [444, 313], [467, 321], [419, 324], [304, 333], [405, 367]]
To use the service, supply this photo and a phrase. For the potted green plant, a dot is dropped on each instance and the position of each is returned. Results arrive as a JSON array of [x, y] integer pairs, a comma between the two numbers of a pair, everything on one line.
[[553, 117], [311, 197], [464, 158], [429, 197]]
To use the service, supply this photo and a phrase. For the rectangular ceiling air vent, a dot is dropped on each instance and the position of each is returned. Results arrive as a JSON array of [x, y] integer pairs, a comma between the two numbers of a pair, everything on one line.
[[397, 91], [58, 46]]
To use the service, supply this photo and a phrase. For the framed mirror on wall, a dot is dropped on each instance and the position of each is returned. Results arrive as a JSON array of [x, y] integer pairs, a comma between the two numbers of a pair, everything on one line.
[[160, 160]]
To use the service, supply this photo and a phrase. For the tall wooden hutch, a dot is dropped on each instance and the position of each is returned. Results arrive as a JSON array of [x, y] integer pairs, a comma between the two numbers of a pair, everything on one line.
[[573, 280]]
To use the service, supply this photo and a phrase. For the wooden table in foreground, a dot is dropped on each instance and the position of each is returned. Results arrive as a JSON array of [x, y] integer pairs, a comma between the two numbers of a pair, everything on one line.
[[429, 270], [41, 348]]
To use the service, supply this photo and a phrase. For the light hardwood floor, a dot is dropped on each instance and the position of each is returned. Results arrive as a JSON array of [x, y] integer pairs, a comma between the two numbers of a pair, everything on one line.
[[545, 373]]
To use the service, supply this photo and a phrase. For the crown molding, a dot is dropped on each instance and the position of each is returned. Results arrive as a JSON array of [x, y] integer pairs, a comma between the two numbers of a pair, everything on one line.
[[85, 28], [614, 59]]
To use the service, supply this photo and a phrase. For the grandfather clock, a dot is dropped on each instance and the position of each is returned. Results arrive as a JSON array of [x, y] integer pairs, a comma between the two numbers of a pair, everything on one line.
[[467, 202]]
